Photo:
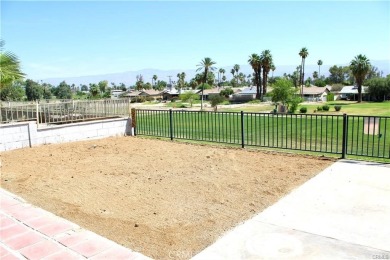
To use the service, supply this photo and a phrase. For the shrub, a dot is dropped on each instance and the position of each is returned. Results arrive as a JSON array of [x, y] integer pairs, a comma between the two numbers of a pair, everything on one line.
[[319, 108], [182, 106], [293, 104], [325, 108], [337, 108], [148, 98], [174, 99], [303, 109], [137, 100], [330, 97]]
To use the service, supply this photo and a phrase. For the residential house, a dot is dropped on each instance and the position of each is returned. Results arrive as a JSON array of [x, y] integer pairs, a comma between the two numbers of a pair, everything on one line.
[[156, 94], [315, 94], [208, 93], [351, 93]]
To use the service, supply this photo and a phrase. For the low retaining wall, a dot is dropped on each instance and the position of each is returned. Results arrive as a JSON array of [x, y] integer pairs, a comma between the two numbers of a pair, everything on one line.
[[27, 134]]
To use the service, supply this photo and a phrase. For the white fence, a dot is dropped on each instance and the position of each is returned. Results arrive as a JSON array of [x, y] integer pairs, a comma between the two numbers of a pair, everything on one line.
[[63, 112]]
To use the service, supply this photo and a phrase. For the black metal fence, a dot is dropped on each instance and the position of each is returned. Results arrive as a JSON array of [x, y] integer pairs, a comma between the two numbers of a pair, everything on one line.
[[367, 136]]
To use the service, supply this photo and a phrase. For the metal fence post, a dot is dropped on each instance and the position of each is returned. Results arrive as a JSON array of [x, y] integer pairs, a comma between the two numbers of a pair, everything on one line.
[[242, 130], [171, 123], [134, 120], [345, 135]]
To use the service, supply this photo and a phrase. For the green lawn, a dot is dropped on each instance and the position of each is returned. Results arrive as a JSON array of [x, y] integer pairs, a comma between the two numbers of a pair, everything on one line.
[[348, 107], [313, 133], [354, 108]]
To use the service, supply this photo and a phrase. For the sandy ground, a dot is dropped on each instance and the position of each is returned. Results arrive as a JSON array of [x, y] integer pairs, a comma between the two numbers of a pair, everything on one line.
[[164, 199]]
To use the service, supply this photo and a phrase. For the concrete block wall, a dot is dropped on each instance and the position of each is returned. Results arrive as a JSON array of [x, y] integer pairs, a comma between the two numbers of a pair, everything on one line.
[[14, 136], [20, 135]]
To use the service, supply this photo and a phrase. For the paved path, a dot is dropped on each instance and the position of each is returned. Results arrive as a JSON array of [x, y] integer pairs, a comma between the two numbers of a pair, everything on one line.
[[28, 232], [342, 213]]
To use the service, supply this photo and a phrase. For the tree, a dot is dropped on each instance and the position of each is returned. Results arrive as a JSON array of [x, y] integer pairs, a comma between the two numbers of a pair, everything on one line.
[[189, 96], [64, 91], [266, 62], [215, 100], [220, 73], [9, 67], [14, 92], [154, 78], [161, 84], [33, 90], [181, 80], [103, 86], [379, 88], [373, 73], [94, 90], [303, 53], [285, 93], [337, 74], [236, 68], [315, 75], [84, 88], [206, 64], [47, 91], [319, 63], [139, 85], [255, 62], [360, 66], [233, 71], [226, 92], [273, 68]]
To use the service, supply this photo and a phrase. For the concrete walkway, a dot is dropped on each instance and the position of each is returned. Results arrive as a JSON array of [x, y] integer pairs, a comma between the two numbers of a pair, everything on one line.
[[342, 213], [28, 232]]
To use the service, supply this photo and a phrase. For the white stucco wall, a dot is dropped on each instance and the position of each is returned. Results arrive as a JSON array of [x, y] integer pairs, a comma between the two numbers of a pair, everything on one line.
[[20, 135]]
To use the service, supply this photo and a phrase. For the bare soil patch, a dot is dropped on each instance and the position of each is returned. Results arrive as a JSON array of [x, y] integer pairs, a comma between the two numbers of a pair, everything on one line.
[[154, 196]]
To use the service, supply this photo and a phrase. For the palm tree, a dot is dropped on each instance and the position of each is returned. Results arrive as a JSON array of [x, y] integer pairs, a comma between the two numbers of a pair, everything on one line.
[[232, 71], [360, 67], [315, 75], [319, 63], [236, 68], [155, 79], [9, 67], [266, 61], [206, 64], [303, 53], [273, 68], [255, 62]]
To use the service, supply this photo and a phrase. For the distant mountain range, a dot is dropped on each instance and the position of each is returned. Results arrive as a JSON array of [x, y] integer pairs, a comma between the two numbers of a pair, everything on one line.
[[129, 77]]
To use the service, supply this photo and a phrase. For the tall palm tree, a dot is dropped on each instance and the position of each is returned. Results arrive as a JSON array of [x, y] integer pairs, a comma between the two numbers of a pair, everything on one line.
[[319, 63], [9, 67], [273, 68], [266, 61], [360, 67], [255, 62], [207, 65], [233, 71], [220, 76], [303, 53], [236, 68], [155, 79]]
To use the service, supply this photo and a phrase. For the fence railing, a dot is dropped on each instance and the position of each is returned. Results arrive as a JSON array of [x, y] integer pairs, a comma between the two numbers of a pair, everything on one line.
[[336, 134], [65, 111]]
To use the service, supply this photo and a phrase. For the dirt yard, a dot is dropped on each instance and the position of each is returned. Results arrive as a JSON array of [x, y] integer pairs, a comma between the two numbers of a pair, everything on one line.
[[157, 197]]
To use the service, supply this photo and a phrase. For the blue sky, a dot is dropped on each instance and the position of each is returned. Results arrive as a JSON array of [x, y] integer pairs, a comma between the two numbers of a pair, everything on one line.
[[77, 38]]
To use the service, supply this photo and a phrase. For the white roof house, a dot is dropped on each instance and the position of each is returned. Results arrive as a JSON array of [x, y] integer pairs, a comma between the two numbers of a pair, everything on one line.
[[352, 90], [349, 92]]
